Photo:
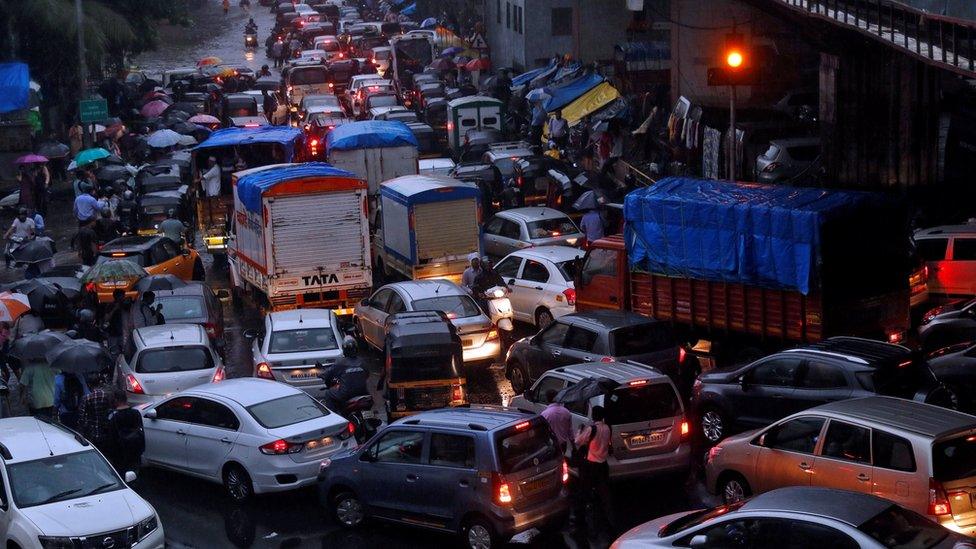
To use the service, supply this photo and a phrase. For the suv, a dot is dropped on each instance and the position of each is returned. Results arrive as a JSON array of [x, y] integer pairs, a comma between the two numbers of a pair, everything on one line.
[[649, 432], [594, 336], [293, 343], [58, 491], [504, 155], [949, 324], [950, 254], [919, 456], [167, 359], [485, 473], [784, 383]]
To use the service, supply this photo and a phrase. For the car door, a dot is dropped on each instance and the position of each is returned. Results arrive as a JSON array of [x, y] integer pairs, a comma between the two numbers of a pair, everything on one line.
[[492, 237], [166, 433], [960, 271], [599, 284], [181, 265], [934, 251], [531, 285], [765, 391], [894, 473], [546, 350], [373, 316], [820, 381], [450, 478], [786, 454], [844, 461], [161, 260], [579, 347], [391, 476], [509, 269], [536, 398], [210, 437]]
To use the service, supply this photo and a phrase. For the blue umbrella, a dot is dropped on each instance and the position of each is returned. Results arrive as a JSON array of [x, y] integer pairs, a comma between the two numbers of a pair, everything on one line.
[[428, 23], [538, 94]]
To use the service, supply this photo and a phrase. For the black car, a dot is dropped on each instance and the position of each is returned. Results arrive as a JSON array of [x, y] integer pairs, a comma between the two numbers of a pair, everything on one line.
[[787, 382], [194, 303], [948, 324], [596, 336], [955, 366], [487, 177]]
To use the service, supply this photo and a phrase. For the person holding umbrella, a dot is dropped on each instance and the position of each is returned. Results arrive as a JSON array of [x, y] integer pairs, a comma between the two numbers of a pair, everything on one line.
[[69, 390], [21, 230], [93, 420], [25, 181]]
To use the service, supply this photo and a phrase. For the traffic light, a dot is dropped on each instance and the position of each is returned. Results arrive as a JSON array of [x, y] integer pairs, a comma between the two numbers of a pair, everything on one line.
[[736, 69]]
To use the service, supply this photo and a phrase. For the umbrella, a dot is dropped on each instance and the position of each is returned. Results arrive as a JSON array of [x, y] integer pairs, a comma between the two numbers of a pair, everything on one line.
[[175, 115], [480, 64], [452, 51], [269, 83], [153, 108], [188, 140], [187, 107], [207, 61], [428, 23], [163, 138], [12, 306], [184, 128], [201, 133], [114, 270], [586, 389], [204, 119], [586, 201], [79, 356], [114, 159], [53, 149], [159, 282], [31, 159], [441, 64], [155, 94], [538, 94], [34, 251], [112, 172], [34, 347], [68, 285], [88, 156]]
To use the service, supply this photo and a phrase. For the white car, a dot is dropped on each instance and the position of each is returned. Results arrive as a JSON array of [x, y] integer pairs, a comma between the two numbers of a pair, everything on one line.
[[541, 280], [253, 436], [167, 359], [381, 58], [58, 491], [357, 82], [292, 343]]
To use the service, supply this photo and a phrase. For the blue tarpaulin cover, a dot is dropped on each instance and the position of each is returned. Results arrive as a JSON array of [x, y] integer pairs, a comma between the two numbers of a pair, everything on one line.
[[14, 86], [285, 135], [732, 232], [252, 186], [527, 76], [370, 134], [565, 94]]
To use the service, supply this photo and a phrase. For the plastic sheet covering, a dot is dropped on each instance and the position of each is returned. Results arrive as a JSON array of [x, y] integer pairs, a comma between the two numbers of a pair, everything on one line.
[[570, 91], [767, 236], [370, 134], [251, 187], [590, 102], [284, 135], [14, 86]]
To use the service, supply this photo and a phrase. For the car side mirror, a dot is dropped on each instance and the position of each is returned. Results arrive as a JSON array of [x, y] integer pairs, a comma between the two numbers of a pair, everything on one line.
[[761, 441], [527, 394], [365, 302], [150, 414], [744, 382], [698, 541], [511, 281], [130, 477], [250, 334]]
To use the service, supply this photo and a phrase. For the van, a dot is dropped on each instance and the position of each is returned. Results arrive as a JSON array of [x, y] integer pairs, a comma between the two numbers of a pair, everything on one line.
[[950, 255], [306, 79]]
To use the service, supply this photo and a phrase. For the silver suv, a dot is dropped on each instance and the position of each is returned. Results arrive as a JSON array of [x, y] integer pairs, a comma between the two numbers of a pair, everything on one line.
[[649, 431]]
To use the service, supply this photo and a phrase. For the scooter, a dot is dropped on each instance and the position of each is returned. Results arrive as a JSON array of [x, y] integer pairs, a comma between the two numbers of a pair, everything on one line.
[[250, 39], [358, 411], [499, 309]]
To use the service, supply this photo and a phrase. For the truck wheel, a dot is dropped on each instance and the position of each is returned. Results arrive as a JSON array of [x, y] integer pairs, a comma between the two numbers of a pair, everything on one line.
[[714, 426], [543, 318], [518, 378], [199, 273]]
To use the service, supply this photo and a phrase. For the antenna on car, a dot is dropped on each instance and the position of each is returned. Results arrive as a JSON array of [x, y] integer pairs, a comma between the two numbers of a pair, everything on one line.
[[41, 431]]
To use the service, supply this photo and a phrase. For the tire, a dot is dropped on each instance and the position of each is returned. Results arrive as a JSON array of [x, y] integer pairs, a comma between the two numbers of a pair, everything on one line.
[[519, 378], [199, 273], [733, 487], [713, 423], [237, 483], [347, 510], [543, 318], [478, 533]]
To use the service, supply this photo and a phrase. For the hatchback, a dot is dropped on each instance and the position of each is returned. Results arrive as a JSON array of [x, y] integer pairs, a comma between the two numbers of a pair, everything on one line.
[[156, 254], [541, 281], [293, 343], [484, 473], [252, 435], [511, 230], [916, 455], [167, 359], [194, 303], [787, 159]]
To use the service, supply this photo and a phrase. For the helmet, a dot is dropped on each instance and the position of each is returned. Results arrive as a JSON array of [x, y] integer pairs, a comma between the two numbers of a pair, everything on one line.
[[86, 316], [22, 211], [350, 347], [128, 195]]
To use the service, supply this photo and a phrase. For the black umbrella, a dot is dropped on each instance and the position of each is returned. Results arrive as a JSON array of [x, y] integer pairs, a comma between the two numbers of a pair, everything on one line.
[[45, 299], [187, 107], [174, 115], [68, 285], [159, 282], [34, 251], [53, 150], [269, 83], [112, 172], [586, 389], [79, 356], [183, 128], [113, 159], [34, 347]]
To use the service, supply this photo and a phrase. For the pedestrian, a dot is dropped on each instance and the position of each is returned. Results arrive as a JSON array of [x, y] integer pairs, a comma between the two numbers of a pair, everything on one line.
[[75, 141], [106, 227], [86, 206], [211, 178], [470, 274], [277, 53], [172, 228], [538, 121], [86, 243], [25, 182], [269, 105], [37, 389], [38, 220], [560, 420], [93, 417], [69, 390], [42, 181], [593, 444], [128, 437], [80, 182], [559, 129], [126, 211], [592, 226], [226, 5], [115, 322], [294, 46], [147, 312]]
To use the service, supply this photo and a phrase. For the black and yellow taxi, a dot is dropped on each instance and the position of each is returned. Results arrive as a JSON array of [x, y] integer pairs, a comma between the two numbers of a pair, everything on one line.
[[156, 254]]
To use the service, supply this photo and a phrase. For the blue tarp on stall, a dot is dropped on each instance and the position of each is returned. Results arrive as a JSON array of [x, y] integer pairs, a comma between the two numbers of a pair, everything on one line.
[[227, 137], [565, 94], [370, 134], [527, 76], [251, 187], [14, 86], [732, 232]]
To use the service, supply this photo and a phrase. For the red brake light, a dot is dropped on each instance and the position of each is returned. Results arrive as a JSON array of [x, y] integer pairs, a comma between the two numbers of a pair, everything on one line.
[[565, 472], [521, 426], [682, 355], [938, 501], [315, 143], [210, 329], [607, 359], [570, 294], [503, 494], [218, 375], [685, 429], [280, 447], [637, 383], [133, 385], [90, 287], [264, 371], [895, 337], [118, 254], [457, 393], [351, 428]]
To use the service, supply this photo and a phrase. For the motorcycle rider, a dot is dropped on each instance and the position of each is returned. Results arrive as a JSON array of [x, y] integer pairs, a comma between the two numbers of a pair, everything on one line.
[[21, 230], [346, 378], [127, 212], [488, 278], [251, 27], [265, 71]]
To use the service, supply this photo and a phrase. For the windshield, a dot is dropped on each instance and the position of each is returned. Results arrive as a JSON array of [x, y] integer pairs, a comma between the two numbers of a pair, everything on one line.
[[429, 367], [901, 381], [568, 269], [59, 478], [311, 75], [641, 403], [454, 306], [698, 517], [551, 228], [174, 359], [405, 117], [288, 410], [899, 528], [303, 341], [382, 55], [519, 450], [383, 101], [954, 459], [641, 339], [136, 257], [331, 45], [181, 307]]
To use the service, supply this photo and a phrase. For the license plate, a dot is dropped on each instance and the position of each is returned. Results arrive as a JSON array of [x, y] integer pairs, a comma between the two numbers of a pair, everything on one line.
[[646, 440], [304, 375], [319, 443], [467, 342], [534, 486]]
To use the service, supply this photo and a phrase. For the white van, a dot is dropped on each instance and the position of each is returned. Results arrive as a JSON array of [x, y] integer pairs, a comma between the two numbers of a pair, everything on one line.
[[950, 254]]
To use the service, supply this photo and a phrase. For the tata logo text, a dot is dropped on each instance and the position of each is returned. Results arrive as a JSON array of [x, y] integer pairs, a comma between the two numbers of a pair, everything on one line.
[[320, 280]]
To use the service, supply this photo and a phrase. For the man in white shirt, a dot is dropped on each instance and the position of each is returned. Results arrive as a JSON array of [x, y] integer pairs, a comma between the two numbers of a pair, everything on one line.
[[211, 178], [22, 229], [559, 129]]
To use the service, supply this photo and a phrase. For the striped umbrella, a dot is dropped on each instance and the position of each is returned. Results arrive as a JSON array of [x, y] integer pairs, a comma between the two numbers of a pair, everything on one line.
[[12, 306], [207, 61]]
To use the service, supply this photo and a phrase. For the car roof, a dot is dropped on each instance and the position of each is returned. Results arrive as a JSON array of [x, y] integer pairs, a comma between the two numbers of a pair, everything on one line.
[[943, 230], [531, 214], [28, 438], [298, 318], [130, 243], [192, 288], [420, 289], [866, 352], [607, 319], [166, 335], [853, 508], [555, 254], [476, 418], [901, 415], [245, 391], [621, 372]]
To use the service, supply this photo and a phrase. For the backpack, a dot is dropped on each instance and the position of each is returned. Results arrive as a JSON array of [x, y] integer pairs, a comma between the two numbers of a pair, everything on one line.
[[131, 438], [73, 393]]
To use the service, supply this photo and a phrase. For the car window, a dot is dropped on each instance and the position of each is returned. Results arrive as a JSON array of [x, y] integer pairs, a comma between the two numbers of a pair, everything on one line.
[[954, 459], [555, 334], [158, 254], [847, 442], [452, 450], [215, 414], [510, 229], [302, 341], [178, 409], [398, 447], [772, 533], [599, 262], [964, 249], [535, 272], [551, 228], [173, 359], [641, 403], [777, 372], [797, 435], [395, 304], [580, 339], [568, 269], [380, 299], [642, 339], [525, 446], [287, 410], [892, 452], [59, 478], [180, 307], [454, 306], [494, 226], [509, 267], [820, 375], [899, 528], [542, 388], [932, 249], [170, 247]]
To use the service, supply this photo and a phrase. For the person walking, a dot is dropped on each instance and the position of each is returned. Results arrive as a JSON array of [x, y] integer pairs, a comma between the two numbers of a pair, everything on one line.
[[278, 53], [115, 322], [173, 228], [593, 442], [538, 121], [86, 243], [226, 5], [592, 226], [148, 312], [560, 420], [25, 182], [42, 180], [69, 390], [93, 418], [559, 129], [86, 206], [128, 436], [37, 389]]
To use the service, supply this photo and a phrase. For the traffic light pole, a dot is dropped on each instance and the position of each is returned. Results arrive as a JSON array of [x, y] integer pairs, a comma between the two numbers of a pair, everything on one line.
[[732, 137]]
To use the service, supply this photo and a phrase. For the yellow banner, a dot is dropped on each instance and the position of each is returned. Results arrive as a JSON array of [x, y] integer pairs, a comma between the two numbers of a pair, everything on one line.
[[590, 102]]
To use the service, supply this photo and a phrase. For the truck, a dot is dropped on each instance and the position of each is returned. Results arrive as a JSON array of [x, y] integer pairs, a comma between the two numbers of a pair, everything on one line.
[[300, 238], [427, 226], [744, 269], [411, 54]]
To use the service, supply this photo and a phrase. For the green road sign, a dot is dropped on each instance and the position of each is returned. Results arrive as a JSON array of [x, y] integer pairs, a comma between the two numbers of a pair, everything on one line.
[[92, 110]]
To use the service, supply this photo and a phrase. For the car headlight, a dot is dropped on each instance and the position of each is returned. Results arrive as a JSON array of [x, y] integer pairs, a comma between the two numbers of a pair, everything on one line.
[[54, 542], [146, 527]]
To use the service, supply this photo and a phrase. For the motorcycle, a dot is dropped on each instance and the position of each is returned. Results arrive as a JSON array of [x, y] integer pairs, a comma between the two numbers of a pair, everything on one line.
[[358, 410], [250, 39]]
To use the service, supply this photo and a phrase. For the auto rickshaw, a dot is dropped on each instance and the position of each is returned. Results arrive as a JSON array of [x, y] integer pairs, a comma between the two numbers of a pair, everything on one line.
[[423, 363], [154, 209]]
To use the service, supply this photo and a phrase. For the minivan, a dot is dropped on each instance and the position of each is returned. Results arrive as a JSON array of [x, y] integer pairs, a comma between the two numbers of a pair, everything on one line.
[[305, 80], [950, 255]]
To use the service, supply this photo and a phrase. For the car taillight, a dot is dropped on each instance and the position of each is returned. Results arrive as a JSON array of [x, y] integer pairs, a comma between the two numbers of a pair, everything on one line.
[[264, 371], [503, 493], [607, 359], [685, 428], [896, 337], [519, 181], [682, 355], [938, 500], [350, 429], [565, 472], [457, 393], [211, 329], [570, 294], [492, 335], [218, 375], [280, 447], [90, 287], [132, 385]]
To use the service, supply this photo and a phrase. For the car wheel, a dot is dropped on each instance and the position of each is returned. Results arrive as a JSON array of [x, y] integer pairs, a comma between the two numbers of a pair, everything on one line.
[[713, 424], [199, 273], [543, 318], [479, 534], [519, 378], [734, 488], [238, 483], [348, 510]]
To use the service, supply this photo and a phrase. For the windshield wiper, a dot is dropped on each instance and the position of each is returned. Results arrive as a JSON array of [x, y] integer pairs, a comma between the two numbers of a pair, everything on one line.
[[59, 495], [102, 487]]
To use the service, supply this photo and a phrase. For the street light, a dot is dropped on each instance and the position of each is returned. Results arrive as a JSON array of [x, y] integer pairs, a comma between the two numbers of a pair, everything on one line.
[[734, 59]]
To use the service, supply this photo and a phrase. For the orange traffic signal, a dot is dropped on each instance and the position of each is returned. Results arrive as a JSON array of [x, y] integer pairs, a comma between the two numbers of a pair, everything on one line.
[[734, 59]]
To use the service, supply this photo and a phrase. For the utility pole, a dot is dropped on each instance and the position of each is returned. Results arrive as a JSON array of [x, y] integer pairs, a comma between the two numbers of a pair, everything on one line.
[[82, 69], [734, 57]]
